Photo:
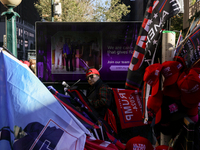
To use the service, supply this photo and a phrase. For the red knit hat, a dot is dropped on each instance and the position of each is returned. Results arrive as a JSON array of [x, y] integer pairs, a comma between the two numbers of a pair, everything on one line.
[[139, 142], [92, 71]]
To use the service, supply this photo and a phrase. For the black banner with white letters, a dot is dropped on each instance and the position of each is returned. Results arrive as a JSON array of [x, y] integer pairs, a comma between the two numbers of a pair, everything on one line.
[[157, 13]]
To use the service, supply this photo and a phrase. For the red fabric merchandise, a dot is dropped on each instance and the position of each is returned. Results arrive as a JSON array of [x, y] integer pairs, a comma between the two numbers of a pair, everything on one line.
[[155, 101], [152, 76], [154, 104], [186, 104], [163, 147], [138, 143], [190, 86], [95, 144], [110, 119], [129, 107], [193, 113], [181, 60], [158, 116], [170, 111], [92, 71], [172, 91], [171, 72]]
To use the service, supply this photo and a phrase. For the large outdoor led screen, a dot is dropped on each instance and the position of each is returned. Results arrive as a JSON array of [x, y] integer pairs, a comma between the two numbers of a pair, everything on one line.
[[106, 46]]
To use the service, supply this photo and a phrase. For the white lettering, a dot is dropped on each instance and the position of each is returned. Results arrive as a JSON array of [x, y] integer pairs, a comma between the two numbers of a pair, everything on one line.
[[122, 95], [126, 102], [128, 117], [128, 110]]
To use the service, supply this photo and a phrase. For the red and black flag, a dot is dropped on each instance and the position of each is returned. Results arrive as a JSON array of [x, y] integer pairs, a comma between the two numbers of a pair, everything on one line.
[[157, 13], [191, 48]]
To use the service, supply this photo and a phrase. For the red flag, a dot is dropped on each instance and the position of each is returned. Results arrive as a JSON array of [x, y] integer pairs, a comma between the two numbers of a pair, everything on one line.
[[129, 106], [95, 144]]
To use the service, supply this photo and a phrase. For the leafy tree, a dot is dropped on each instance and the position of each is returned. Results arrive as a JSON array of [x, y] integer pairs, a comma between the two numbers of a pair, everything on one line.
[[84, 10], [177, 25], [112, 11]]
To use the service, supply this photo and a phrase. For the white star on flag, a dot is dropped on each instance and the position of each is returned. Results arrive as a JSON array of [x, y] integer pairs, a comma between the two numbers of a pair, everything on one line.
[[150, 21], [154, 42], [155, 15]]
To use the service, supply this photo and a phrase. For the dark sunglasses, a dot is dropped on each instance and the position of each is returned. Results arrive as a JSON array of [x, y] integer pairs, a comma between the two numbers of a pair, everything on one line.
[[90, 76]]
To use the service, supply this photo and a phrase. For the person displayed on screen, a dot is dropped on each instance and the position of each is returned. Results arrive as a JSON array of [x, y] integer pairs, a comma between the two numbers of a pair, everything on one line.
[[95, 53], [86, 52], [99, 94], [58, 53], [68, 53]]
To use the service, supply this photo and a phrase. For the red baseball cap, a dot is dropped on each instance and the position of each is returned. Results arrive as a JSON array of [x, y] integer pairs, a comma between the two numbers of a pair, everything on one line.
[[158, 116], [181, 60], [152, 76], [155, 101], [139, 142], [192, 111], [170, 110], [171, 72], [27, 63], [92, 71], [190, 87], [163, 147], [185, 100], [189, 83], [172, 91]]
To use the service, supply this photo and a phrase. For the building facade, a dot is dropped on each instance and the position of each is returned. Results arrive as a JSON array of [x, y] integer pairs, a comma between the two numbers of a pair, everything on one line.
[[191, 8], [25, 27]]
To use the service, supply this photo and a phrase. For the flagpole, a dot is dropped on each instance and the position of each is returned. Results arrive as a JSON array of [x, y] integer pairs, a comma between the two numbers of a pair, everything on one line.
[[186, 38], [178, 38]]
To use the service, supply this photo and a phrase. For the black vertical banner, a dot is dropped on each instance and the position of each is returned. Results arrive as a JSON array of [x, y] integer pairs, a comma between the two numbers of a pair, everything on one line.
[[157, 13]]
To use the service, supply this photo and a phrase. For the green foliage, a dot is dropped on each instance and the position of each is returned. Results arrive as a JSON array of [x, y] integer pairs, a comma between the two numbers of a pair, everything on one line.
[[84, 10], [177, 24], [193, 2], [114, 12]]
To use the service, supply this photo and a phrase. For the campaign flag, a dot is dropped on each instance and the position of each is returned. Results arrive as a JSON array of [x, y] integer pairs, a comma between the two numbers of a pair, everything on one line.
[[31, 117], [191, 48], [180, 39], [157, 13], [129, 106]]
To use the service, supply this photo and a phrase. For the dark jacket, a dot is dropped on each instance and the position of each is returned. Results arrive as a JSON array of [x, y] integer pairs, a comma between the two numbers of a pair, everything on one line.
[[100, 97]]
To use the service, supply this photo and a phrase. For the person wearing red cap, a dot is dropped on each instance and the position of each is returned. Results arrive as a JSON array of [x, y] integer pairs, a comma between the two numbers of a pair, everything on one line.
[[99, 94]]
